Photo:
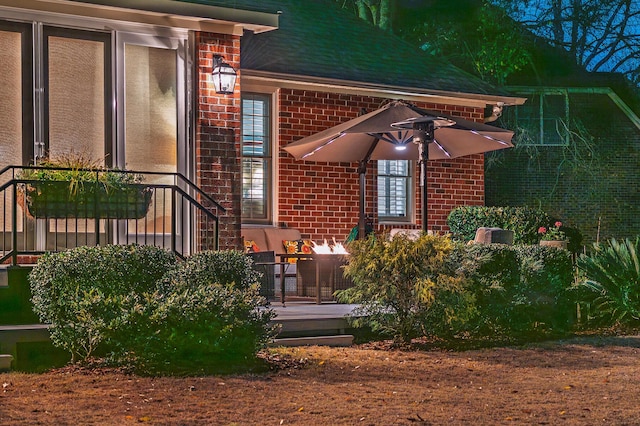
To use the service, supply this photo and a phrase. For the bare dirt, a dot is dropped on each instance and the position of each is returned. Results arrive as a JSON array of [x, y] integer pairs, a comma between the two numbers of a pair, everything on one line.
[[579, 381]]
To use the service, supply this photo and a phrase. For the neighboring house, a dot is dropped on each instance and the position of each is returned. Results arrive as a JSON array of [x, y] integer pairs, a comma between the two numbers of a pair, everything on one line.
[[131, 82], [577, 149]]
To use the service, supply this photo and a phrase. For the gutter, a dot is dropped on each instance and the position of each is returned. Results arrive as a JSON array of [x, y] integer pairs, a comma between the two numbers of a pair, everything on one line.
[[255, 78]]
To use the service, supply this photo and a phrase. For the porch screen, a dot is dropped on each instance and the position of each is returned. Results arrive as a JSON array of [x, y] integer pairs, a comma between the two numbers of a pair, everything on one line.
[[76, 97], [151, 124], [10, 113]]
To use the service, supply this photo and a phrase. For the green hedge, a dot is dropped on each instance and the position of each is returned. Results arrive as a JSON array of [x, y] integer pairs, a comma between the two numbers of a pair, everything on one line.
[[432, 286], [142, 308], [521, 290], [523, 221]]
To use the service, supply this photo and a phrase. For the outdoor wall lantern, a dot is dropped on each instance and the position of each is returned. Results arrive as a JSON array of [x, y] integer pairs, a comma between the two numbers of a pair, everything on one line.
[[224, 76]]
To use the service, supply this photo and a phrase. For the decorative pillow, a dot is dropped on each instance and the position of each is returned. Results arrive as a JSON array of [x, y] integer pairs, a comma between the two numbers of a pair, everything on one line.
[[297, 247], [250, 246]]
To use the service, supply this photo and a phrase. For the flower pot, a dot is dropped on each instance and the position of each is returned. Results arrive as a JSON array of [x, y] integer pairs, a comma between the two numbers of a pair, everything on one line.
[[554, 243], [90, 200]]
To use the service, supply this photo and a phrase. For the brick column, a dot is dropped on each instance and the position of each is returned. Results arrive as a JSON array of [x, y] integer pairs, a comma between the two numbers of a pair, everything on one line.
[[217, 135]]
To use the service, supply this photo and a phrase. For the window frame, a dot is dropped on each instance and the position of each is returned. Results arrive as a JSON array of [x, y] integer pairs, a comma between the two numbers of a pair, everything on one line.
[[540, 118], [268, 158], [409, 188]]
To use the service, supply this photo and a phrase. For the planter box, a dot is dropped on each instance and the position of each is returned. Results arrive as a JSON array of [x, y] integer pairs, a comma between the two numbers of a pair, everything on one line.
[[91, 200], [554, 243]]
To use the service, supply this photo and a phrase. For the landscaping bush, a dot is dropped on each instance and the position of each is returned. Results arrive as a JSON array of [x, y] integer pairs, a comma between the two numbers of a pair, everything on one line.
[[612, 280], [493, 272], [207, 317], [543, 300], [406, 288], [90, 295], [144, 309], [523, 221], [520, 291]]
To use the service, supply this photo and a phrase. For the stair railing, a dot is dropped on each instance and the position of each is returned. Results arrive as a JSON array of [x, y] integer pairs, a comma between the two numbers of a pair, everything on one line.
[[165, 210]]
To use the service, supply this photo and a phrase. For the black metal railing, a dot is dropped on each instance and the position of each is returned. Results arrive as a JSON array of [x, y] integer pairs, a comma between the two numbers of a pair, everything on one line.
[[161, 209]]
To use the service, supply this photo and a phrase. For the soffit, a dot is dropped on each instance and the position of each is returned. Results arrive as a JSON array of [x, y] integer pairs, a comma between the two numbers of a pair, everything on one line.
[[165, 13]]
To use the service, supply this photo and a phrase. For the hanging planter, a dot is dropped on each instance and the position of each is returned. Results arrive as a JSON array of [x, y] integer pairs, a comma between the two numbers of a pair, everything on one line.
[[91, 200], [76, 188]]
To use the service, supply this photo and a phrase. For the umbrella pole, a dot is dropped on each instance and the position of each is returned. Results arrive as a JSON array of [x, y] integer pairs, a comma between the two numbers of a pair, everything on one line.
[[362, 170], [424, 157]]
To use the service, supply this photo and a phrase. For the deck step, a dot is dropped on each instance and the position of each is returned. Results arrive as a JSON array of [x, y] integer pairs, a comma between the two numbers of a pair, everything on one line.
[[339, 340], [5, 362]]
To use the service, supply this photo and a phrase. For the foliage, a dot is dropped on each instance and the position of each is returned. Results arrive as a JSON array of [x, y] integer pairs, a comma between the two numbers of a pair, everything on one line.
[[207, 317], [552, 233], [600, 35], [612, 278], [406, 288], [142, 308], [380, 13], [523, 221], [520, 291], [91, 295], [79, 170], [474, 36]]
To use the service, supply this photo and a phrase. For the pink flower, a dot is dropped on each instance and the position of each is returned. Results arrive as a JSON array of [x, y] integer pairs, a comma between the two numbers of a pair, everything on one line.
[[558, 224], [542, 230]]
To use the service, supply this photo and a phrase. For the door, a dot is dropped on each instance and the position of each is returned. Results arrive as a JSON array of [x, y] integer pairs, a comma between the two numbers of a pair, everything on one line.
[[151, 74], [16, 123]]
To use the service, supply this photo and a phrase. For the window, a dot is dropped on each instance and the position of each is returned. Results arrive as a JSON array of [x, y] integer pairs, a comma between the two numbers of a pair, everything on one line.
[[394, 183], [256, 157], [543, 118]]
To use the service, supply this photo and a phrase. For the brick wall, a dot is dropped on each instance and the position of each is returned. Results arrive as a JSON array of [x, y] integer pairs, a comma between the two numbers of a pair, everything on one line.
[[322, 199], [217, 135], [591, 185]]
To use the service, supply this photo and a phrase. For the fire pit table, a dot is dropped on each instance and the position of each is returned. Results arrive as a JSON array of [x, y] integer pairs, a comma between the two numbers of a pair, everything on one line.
[[314, 269]]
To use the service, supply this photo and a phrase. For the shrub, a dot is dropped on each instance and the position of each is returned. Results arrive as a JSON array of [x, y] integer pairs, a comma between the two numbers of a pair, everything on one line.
[[520, 291], [207, 317], [406, 288], [146, 310], [523, 221], [91, 295], [543, 300], [493, 272], [612, 279]]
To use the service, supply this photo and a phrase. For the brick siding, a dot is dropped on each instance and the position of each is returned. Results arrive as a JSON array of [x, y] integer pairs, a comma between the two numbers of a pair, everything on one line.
[[217, 135], [319, 199]]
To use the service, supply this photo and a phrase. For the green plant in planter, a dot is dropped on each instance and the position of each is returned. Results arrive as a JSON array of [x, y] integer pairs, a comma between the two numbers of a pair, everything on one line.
[[73, 185]]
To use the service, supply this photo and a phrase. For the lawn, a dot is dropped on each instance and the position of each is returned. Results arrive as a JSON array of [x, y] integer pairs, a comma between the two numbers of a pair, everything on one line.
[[576, 381]]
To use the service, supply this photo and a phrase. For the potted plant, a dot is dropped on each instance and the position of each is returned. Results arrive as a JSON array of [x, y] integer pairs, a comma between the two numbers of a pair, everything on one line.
[[553, 236], [73, 186]]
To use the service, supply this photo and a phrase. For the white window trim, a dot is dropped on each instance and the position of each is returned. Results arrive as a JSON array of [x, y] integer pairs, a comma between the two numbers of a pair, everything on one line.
[[275, 149], [410, 218]]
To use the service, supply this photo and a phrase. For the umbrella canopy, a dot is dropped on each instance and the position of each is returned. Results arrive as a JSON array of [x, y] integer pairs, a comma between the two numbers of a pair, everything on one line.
[[387, 134]]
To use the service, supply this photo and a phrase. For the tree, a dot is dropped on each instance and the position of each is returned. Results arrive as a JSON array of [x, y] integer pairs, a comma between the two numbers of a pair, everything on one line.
[[477, 37], [380, 13], [602, 35]]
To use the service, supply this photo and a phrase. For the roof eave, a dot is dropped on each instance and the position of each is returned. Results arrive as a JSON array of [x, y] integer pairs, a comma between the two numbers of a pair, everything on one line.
[[169, 13], [256, 78]]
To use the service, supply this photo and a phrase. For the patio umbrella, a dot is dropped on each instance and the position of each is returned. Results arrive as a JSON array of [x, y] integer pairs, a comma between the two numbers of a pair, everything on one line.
[[399, 131]]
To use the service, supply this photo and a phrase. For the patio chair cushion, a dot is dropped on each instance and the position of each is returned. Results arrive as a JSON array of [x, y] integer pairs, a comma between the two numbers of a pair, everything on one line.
[[275, 236], [255, 238]]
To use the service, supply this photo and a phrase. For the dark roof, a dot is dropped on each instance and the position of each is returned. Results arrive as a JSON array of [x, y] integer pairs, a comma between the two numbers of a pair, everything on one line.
[[316, 38]]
